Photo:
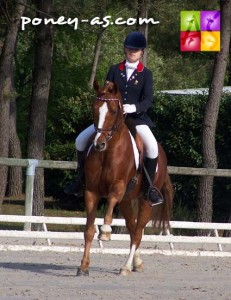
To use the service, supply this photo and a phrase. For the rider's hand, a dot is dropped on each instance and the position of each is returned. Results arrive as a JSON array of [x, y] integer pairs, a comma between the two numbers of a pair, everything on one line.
[[129, 108]]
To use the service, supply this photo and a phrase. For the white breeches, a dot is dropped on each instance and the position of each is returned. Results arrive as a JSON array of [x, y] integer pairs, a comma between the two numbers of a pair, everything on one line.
[[150, 143], [83, 138]]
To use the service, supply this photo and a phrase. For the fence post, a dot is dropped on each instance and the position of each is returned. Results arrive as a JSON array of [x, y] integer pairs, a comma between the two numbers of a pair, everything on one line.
[[30, 174]]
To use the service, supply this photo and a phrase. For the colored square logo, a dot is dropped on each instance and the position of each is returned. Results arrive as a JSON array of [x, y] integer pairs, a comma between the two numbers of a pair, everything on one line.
[[190, 41], [210, 40], [200, 30], [210, 20], [190, 21]]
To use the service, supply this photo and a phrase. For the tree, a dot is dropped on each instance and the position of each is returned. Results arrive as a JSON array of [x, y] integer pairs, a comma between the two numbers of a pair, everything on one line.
[[205, 197], [39, 99], [15, 173], [7, 93], [96, 56], [142, 12]]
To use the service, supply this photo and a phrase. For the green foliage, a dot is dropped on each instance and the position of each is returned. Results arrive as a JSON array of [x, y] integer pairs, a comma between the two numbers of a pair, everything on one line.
[[179, 126], [222, 190], [69, 117], [178, 120]]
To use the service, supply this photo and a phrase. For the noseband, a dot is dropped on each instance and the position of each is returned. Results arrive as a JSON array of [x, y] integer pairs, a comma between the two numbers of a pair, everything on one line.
[[115, 126]]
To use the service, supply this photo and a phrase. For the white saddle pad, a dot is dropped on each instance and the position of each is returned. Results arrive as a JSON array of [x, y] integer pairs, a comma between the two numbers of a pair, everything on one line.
[[135, 150]]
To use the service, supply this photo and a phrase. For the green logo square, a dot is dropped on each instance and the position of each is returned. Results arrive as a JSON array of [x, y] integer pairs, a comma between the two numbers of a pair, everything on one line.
[[190, 20]]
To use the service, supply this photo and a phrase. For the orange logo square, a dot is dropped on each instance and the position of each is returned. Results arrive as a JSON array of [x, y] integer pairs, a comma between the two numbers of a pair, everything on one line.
[[210, 41]]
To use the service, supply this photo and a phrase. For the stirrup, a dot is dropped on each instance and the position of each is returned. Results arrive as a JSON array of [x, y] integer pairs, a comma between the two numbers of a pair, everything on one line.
[[154, 196]]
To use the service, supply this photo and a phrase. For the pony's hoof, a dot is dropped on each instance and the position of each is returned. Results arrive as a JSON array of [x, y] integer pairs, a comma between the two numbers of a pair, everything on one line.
[[104, 236], [139, 268], [125, 272], [81, 272], [105, 233]]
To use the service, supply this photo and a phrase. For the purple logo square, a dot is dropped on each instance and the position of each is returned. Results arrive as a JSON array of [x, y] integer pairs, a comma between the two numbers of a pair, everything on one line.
[[210, 20]]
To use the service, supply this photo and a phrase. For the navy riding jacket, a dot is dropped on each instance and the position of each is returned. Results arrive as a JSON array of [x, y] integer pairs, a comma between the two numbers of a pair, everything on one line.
[[137, 90]]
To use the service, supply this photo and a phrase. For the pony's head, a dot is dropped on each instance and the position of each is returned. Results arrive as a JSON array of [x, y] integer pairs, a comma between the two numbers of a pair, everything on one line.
[[107, 113]]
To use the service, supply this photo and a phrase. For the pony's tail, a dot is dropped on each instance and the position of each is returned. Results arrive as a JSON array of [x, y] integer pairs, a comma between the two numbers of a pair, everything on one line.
[[161, 214]]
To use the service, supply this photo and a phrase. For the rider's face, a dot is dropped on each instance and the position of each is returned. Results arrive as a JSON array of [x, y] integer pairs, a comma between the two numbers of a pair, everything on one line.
[[133, 55]]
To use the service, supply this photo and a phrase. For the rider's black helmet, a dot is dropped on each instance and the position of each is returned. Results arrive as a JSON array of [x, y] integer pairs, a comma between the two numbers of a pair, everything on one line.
[[135, 40]]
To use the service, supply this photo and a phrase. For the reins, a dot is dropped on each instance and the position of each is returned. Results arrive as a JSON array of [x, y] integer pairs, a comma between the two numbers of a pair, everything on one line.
[[108, 99]]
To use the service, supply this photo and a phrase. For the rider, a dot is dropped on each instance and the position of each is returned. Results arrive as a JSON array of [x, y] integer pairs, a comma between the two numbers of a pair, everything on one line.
[[135, 84]]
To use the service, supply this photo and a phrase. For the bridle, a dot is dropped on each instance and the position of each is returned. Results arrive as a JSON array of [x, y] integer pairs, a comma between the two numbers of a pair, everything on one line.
[[115, 127]]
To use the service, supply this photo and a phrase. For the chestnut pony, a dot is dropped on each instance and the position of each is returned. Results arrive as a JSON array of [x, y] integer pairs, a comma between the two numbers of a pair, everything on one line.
[[109, 168]]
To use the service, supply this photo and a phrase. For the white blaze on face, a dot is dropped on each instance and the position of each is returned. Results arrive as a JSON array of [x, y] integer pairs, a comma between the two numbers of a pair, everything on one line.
[[102, 115]]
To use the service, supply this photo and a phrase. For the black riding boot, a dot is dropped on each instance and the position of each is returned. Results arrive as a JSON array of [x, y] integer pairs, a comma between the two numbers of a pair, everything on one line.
[[76, 187], [151, 193]]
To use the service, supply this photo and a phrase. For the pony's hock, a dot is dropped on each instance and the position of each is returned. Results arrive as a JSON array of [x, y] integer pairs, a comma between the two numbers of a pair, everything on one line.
[[109, 168]]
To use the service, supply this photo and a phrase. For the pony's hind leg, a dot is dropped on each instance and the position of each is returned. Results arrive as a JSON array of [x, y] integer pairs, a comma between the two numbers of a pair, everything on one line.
[[127, 268], [134, 262], [138, 265], [91, 201]]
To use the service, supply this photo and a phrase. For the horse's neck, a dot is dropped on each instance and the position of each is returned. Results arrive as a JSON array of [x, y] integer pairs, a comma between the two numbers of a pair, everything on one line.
[[120, 136]]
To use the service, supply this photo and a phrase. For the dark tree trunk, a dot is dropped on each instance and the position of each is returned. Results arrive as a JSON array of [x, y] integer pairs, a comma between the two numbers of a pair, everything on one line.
[[97, 50], [229, 68], [96, 57], [205, 198], [6, 88], [39, 100], [15, 173]]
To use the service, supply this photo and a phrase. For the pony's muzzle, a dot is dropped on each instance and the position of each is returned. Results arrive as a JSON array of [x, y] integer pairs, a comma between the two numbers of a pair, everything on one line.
[[100, 142], [100, 146]]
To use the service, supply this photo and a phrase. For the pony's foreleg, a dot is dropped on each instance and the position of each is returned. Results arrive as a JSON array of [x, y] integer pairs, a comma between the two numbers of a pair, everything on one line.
[[91, 201], [114, 197], [105, 229]]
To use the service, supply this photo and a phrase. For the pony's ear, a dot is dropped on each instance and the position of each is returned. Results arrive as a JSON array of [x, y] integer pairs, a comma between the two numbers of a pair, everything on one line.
[[96, 85]]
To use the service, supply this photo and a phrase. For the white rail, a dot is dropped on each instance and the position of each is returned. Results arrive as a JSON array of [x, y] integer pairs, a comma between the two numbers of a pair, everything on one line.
[[169, 238], [116, 222], [114, 237]]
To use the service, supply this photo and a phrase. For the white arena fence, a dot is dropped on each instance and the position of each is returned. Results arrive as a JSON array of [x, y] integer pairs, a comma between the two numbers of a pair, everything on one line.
[[166, 238]]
